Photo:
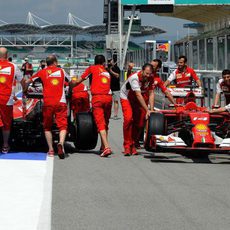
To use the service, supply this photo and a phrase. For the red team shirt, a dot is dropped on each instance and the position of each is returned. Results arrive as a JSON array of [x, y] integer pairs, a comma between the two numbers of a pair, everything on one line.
[[9, 73], [183, 78], [53, 80], [80, 90], [157, 82], [100, 84]]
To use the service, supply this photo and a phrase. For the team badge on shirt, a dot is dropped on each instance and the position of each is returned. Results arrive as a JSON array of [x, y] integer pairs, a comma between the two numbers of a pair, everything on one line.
[[0, 67], [49, 71], [2, 79], [179, 75], [54, 81], [104, 80]]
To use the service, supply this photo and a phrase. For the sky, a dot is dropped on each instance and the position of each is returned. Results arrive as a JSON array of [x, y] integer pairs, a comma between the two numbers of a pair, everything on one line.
[[56, 11]]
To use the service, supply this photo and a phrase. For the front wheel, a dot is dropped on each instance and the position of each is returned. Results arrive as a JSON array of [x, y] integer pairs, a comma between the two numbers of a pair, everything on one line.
[[155, 126]]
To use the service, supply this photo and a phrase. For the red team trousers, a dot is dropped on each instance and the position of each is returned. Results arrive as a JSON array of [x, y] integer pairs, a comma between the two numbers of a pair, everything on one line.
[[134, 121], [80, 104], [58, 111], [102, 105], [6, 116]]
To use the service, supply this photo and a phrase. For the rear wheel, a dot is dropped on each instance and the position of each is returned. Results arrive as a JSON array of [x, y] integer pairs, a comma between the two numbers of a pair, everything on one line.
[[86, 131], [155, 126]]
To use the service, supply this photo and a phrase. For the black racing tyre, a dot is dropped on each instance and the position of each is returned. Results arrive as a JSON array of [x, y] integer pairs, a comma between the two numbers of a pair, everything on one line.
[[86, 131], [155, 126]]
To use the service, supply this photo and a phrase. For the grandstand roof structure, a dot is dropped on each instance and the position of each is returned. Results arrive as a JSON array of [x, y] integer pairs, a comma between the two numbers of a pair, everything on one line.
[[72, 27], [20, 28]]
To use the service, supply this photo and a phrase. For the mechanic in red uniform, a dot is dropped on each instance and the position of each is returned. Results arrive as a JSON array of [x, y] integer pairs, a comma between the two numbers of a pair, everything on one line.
[[147, 91], [80, 99], [130, 68], [183, 75], [139, 113], [9, 73], [53, 80], [101, 99], [158, 83], [223, 86], [131, 101]]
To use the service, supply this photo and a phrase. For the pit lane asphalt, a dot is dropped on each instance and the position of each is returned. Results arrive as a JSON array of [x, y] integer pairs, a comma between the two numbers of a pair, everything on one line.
[[161, 192]]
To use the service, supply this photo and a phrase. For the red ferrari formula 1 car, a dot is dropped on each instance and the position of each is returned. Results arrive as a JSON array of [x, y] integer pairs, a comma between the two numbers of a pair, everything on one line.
[[188, 128], [27, 129]]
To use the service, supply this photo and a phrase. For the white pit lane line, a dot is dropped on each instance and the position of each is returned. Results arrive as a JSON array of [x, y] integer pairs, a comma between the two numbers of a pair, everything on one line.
[[26, 194]]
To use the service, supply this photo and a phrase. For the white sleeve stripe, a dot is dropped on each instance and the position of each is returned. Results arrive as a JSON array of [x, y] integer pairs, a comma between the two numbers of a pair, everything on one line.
[[172, 76], [228, 107], [66, 75]]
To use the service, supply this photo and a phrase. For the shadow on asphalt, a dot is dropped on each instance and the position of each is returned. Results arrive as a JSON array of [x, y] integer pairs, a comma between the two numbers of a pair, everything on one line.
[[204, 159], [72, 150]]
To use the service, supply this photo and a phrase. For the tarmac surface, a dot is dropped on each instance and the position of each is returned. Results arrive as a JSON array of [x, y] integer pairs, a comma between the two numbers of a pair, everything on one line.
[[157, 192]]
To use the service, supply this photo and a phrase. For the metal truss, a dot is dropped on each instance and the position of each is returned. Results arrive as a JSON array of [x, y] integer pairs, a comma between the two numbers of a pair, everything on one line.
[[38, 40]]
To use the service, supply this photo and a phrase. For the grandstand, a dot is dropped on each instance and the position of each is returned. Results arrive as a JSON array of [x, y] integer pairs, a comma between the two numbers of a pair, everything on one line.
[[37, 38]]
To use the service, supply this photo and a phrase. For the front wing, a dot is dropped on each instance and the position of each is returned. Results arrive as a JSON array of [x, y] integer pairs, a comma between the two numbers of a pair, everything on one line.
[[171, 143]]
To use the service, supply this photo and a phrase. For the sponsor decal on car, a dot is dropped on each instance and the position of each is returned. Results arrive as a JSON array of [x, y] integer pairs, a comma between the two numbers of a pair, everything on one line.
[[202, 129]]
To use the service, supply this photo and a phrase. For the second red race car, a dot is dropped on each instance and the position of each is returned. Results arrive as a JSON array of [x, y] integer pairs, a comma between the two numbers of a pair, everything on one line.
[[188, 129]]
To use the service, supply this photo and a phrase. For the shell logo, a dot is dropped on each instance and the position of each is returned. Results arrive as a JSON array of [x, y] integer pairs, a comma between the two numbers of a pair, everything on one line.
[[201, 127], [55, 81], [2, 80], [104, 80]]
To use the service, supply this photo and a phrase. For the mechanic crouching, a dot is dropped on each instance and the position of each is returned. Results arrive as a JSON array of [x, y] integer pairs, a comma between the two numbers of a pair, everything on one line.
[[80, 99], [53, 81], [9, 74]]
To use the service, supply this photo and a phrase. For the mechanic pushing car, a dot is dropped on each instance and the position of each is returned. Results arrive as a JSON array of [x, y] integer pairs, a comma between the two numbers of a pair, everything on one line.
[[101, 99], [9, 74], [223, 86], [53, 80], [157, 82], [132, 101], [147, 91], [80, 99], [221, 109]]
